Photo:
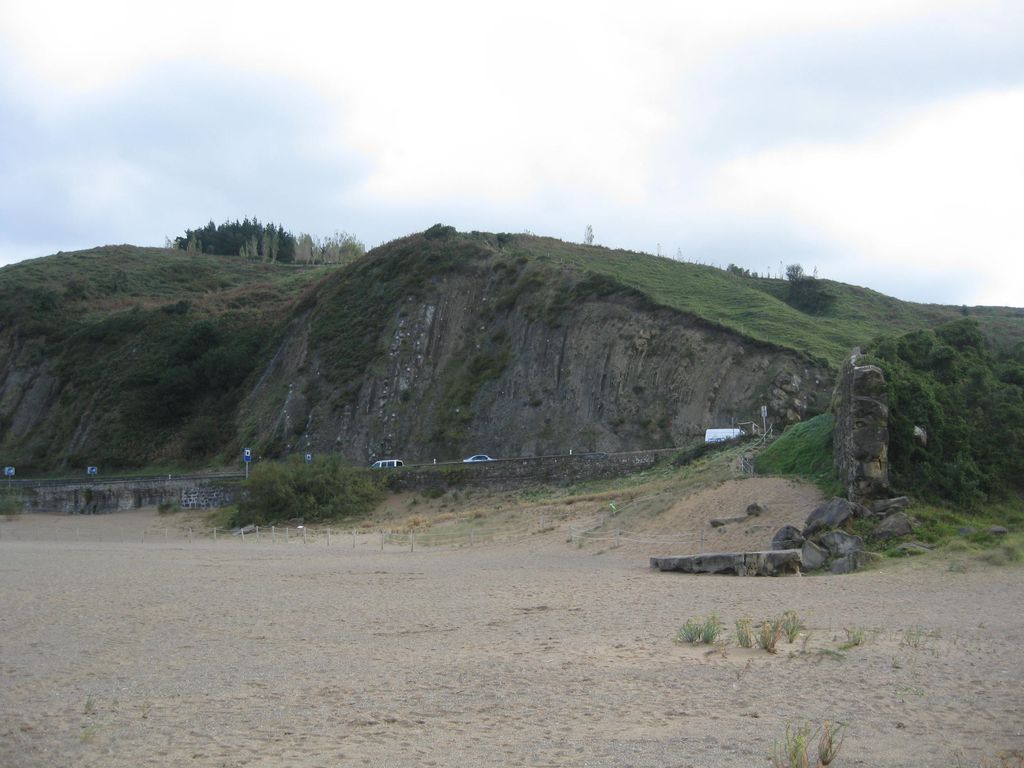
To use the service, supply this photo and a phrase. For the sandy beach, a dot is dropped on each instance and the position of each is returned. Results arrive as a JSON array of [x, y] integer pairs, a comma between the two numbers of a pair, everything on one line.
[[532, 653]]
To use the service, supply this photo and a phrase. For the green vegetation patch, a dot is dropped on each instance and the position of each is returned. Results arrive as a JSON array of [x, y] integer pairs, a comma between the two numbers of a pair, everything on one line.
[[804, 450], [324, 490], [816, 317], [968, 398]]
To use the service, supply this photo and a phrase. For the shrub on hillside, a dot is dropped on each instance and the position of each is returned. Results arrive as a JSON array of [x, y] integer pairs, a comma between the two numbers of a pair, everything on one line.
[[970, 403], [315, 492]]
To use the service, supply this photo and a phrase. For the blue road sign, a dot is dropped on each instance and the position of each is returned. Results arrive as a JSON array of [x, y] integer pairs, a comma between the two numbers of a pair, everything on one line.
[[309, 457], [91, 471], [8, 471], [247, 454]]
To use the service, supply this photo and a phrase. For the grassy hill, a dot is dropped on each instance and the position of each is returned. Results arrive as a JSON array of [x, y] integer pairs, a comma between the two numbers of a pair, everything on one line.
[[756, 307], [144, 351], [126, 356]]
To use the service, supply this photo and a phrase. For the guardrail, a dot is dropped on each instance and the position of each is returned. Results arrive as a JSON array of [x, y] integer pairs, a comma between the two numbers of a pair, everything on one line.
[[98, 480]]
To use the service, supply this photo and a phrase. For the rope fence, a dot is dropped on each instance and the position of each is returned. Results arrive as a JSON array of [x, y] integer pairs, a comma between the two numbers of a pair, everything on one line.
[[327, 536], [383, 540], [594, 531]]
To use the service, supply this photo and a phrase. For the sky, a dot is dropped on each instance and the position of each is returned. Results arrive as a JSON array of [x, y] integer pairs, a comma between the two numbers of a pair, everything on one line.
[[876, 142]]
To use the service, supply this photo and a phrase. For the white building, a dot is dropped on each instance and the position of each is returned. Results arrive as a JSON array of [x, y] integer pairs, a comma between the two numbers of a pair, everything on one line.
[[721, 435]]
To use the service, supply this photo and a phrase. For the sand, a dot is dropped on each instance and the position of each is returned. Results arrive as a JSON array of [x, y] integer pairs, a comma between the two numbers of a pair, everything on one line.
[[533, 653]]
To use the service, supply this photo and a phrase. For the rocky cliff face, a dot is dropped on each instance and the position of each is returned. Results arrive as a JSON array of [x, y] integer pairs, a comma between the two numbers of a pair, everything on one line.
[[427, 348], [29, 385], [519, 362]]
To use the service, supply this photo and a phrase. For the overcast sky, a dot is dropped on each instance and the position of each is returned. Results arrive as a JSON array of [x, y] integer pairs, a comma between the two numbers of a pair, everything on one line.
[[880, 142]]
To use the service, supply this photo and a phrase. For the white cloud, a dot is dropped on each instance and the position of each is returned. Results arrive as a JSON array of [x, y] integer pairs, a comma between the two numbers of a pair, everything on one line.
[[541, 114], [446, 99], [939, 193]]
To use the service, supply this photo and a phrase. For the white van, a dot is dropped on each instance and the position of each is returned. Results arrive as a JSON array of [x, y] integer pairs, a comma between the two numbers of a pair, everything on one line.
[[386, 464]]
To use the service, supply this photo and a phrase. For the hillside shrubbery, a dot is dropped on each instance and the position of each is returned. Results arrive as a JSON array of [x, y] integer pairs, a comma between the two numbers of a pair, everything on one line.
[[970, 402], [315, 492]]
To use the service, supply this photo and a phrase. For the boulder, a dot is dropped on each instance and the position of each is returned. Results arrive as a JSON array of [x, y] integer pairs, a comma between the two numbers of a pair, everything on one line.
[[885, 507], [840, 543], [997, 530], [787, 537], [895, 525], [843, 565], [812, 556], [756, 509], [832, 514], [718, 522], [852, 562]]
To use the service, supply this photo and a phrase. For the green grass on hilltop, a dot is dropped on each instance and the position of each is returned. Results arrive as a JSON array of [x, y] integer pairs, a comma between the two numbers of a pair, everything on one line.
[[804, 450], [70, 288], [755, 307]]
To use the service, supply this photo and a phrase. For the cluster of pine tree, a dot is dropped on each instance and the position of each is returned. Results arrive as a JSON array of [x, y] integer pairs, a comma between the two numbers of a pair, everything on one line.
[[248, 238]]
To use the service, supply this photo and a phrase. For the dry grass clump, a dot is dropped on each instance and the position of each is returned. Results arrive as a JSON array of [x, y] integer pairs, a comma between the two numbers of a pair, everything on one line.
[[745, 632], [416, 523], [769, 633], [799, 750]]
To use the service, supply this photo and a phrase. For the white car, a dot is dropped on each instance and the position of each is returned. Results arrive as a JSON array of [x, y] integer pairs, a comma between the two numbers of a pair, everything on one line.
[[477, 457], [386, 464]]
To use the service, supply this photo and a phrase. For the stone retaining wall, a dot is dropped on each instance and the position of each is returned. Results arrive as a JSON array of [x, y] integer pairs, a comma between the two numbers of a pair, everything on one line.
[[91, 498]]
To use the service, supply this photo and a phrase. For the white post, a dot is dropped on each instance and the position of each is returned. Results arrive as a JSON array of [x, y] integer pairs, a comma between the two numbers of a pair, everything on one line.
[[353, 538], [273, 535], [257, 534], [328, 536], [243, 533], [381, 539], [189, 535], [412, 541], [286, 534], [215, 534], [303, 534]]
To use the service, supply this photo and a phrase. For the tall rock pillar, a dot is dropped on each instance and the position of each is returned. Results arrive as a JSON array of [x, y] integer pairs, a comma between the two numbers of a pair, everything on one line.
[[860, 441]]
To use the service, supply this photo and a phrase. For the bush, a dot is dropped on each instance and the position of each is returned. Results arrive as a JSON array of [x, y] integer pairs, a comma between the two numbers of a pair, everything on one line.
[[315, 492], [10, 505], [967, 399]]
